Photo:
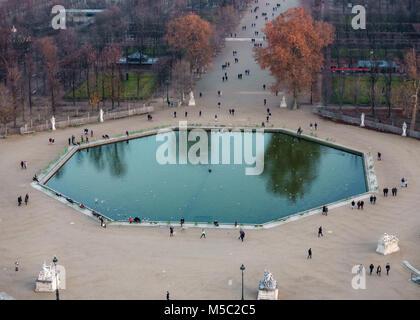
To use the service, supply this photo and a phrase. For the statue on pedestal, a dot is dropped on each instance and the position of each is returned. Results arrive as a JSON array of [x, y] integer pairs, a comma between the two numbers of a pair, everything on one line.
[[191, 103], [50, 278], [267, 289], [53, 123], [283, 103], [387, 244], [404, 128], [101, 115], [362, 120]]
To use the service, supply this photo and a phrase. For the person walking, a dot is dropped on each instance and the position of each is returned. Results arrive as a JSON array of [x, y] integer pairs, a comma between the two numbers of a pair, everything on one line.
[[167, 295], [379, 156], [17, 265], [309, 254], [182, 221], [361, 268], [316, 126], [19, 201], [362, 203], [320, 232], [174, 114], [378, 270], [241, 235], [388, 267], [374, 199], [353, 204], [171, 231], [203, 233], [371, 267], [26, 199]]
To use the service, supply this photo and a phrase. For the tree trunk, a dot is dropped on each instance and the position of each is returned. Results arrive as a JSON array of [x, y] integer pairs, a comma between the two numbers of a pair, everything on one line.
[[73, 88], [112, 86], [414, 113], [30, 94], [87, 82]]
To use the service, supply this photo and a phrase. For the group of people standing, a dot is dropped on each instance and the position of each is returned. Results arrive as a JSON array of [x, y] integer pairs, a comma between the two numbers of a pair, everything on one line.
[[20, 200], [378, 269]]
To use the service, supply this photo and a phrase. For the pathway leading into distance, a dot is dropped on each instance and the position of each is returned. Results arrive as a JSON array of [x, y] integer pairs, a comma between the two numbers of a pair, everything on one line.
[[248, 92]]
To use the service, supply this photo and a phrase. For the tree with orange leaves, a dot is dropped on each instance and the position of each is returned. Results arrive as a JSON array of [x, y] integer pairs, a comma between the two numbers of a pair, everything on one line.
[[294, 51], [190, 35]]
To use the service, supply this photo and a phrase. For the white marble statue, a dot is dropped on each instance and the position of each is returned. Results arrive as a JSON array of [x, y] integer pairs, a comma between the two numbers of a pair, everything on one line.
[[283, 103], [404, 128], [267, 289], [387, 244], [191, 103], [101, 115], [53, 123], [50, 277], [362, 120]]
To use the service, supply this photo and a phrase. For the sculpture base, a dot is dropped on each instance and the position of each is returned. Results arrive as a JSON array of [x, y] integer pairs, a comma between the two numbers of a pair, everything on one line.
[[382, 250], [44, 286], [268, 294]]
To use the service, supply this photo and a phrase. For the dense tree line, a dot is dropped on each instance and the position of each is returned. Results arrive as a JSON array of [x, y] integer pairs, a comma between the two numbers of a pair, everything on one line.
[[58, 61]]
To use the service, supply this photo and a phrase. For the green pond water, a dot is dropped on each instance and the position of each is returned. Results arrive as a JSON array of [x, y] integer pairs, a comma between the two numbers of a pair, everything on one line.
[[124, 179]]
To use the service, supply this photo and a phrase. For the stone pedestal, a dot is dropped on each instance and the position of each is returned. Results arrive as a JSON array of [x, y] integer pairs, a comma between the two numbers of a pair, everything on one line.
[[50, 278], [387, 244], [283, 103], [268, 294]]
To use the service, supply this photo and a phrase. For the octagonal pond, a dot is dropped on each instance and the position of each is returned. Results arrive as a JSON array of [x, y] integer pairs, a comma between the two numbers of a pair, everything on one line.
[[124, 179]]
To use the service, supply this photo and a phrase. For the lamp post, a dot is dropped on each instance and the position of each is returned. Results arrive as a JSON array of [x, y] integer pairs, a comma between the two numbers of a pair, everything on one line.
[[242, 269], [57, 295], [167, 91]]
